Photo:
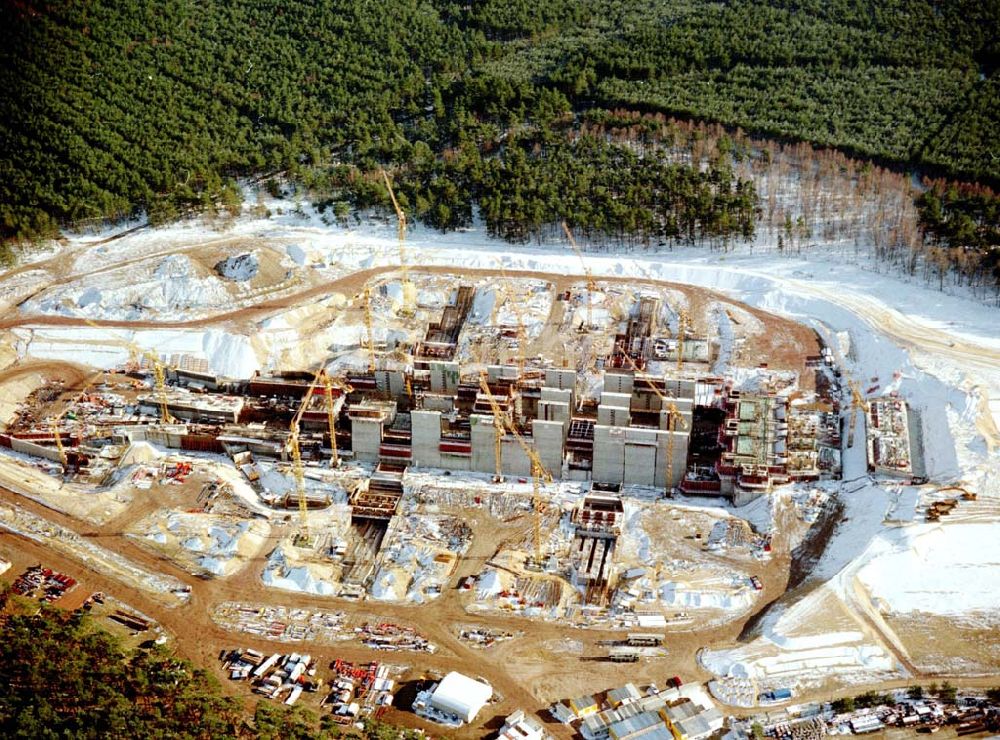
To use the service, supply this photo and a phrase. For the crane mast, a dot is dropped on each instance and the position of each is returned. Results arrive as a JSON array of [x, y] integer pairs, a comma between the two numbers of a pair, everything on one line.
[[159, 369], [522, 336], [408, 305], [369, 342], [293, 447], [331, 414], [682, 325], [857, 401], [673, 415], [538, 469], [591, 284]]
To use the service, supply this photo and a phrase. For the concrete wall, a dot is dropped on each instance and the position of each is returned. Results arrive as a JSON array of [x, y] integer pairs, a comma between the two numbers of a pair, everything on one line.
[[391, 381], [426, 430], [444, 377], [680, 451], [483, 437], [613, 416], [366, 438], [609, 454], [549, 437], [640, 459], [561, 379], [514, 459], [36, 450], [618, 382], [553, 411]]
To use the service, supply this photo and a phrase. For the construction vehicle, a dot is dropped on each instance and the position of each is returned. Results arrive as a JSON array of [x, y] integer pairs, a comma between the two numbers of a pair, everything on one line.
[[591, 283], [538, 470], [331, 415], [408, 305], [673, 415], [857, 401], [369, 340]]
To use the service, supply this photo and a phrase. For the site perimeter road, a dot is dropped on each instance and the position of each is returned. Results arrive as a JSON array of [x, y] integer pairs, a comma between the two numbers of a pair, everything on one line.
[[199, 638]]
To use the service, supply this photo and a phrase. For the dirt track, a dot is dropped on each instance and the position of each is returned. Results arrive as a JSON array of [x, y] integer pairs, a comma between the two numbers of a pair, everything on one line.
[[522, 670]]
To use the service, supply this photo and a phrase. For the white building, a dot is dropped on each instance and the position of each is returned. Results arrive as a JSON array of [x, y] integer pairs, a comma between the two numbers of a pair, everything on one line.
[[454, 700], [519, 726]]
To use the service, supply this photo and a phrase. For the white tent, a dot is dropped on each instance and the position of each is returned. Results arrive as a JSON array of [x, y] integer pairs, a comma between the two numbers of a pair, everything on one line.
[[461, 696]]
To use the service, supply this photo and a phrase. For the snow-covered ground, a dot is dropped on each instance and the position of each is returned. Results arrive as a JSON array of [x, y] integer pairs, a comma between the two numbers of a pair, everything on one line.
[[939, 352]]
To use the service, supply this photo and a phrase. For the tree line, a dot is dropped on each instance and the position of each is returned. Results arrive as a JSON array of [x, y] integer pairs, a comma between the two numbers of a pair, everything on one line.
[[114, 109], [64, 677]]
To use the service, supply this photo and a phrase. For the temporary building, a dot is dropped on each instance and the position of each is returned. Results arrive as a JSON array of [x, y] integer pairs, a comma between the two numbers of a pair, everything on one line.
[[461, 696]]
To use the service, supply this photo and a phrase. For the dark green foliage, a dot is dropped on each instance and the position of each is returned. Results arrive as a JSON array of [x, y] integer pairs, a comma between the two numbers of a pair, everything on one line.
[[116, 107], [872, 699], [65, 679], [843, 705], [963, 222], [947, 693], [993, 694], [915, 692]]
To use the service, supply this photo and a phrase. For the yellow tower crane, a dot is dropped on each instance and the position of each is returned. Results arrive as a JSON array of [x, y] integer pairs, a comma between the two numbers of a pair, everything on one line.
[[158, 368], [408, 307], [54, 425], [538, 469], [331, 415], [591, 283], [522, 336], [369, 341], [293, 448], [674, 415], [682, 326], [857, 402]]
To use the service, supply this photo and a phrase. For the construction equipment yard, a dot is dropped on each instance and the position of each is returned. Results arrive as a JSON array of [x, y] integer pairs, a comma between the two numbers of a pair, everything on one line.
[[509, 467]]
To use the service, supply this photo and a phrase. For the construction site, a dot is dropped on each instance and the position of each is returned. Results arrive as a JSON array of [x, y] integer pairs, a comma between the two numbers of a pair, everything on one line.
[[459, 462], [344, 468]]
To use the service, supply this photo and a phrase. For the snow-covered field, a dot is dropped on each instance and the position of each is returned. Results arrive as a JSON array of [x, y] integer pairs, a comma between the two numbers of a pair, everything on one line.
[[939, 352]]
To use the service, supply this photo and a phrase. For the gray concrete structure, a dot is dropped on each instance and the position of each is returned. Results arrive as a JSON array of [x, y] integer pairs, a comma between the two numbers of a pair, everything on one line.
[[550, 438], [618, 382], [425, 427], [368, 421], [444, 377], [483, 439]]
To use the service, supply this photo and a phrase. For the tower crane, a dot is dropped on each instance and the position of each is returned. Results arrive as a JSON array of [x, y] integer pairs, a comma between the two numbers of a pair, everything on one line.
[[538, 469], [54, 425], [296, 454], [682, 325], [331, 415], [522, 336], [673, 415], [408, 306], [369, 341], [591, 283], [857, 401], [159, 369]]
